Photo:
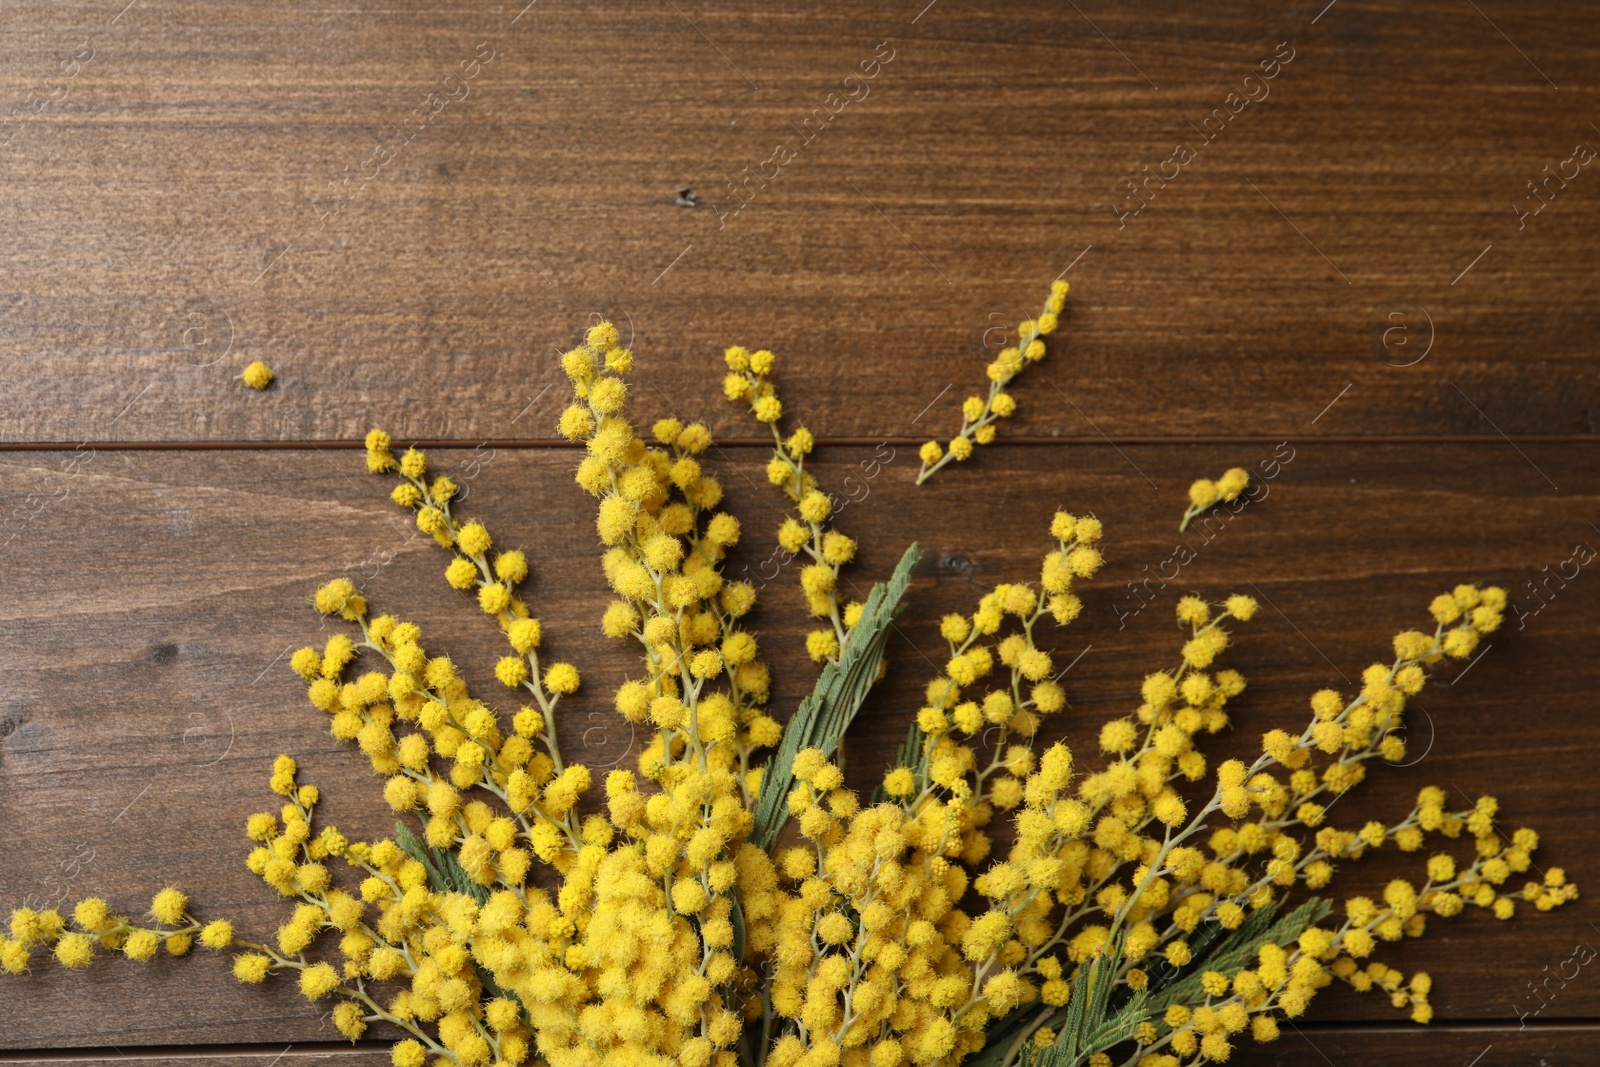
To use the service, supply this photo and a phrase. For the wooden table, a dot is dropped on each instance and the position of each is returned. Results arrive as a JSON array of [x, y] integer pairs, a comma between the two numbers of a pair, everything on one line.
[[1385, 259]]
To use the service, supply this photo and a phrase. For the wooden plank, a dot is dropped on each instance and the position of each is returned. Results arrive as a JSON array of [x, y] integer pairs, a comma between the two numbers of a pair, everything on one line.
[[1442, 1045], [1387, 1047], [367, 1054], [151, 602], [168, 218]]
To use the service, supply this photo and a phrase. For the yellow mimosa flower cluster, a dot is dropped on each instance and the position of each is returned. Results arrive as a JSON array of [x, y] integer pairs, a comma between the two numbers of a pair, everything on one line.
[[807, 529], [98, 929], [730, 902], [978, 413], [1206, 494], [705, 682]]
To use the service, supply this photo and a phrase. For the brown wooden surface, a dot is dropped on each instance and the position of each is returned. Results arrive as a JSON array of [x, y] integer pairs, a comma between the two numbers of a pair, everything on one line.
[[152, 602], [165, 214], [161, 231]]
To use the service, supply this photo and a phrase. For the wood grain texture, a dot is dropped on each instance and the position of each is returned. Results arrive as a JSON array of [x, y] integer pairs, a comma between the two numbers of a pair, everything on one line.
[[1536, 1046], [151, 603], [1352, 265], [295, 1054], [170, 214]]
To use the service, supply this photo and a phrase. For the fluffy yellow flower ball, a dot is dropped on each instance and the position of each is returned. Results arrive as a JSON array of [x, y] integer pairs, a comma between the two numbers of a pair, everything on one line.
[[257, 375]]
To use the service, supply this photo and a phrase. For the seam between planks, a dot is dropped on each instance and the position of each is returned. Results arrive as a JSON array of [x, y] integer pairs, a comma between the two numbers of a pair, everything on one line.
[[532, 444]]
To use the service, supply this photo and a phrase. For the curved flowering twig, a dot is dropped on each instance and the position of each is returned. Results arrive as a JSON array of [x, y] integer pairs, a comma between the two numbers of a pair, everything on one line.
[[979, 414]]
